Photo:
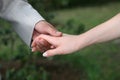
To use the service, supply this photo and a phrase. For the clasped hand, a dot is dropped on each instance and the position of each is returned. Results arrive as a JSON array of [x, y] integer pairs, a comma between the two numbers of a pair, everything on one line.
[[50, 42], [64, 44]]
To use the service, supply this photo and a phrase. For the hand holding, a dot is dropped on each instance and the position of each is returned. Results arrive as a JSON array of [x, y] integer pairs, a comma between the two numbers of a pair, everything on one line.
[[62, 45], [43, 27]]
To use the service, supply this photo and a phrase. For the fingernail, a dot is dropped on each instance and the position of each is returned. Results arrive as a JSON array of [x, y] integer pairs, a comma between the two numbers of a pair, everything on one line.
[[59, 33], [33, 50], [45, 54], [52, 47]]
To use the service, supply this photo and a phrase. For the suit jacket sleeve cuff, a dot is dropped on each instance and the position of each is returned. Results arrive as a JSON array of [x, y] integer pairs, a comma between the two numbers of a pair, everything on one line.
[[23, 18]]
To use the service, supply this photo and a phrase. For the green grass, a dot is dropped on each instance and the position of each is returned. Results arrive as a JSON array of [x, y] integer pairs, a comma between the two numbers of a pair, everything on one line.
[[101, 61]]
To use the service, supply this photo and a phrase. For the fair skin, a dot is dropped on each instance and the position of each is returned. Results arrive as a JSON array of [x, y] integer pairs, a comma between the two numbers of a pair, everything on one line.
[[67, 44], [43, 27]]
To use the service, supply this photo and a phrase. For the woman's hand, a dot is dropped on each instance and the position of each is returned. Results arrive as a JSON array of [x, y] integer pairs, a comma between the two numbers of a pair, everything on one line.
[[62, 45]]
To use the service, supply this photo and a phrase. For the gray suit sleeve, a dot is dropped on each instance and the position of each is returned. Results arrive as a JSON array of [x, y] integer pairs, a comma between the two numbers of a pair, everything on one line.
[[22, 16]]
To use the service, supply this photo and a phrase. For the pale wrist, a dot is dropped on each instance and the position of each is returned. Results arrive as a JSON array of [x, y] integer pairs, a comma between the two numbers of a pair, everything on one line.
[[84, 40]]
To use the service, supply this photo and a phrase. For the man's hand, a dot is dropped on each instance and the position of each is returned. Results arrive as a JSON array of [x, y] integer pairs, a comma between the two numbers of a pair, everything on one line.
[[43, 27]]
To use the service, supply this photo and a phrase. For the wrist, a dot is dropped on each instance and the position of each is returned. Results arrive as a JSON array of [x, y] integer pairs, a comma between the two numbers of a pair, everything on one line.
[[84, 40]]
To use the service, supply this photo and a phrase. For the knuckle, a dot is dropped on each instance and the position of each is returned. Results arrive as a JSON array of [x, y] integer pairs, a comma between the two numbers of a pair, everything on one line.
[[61, 52]]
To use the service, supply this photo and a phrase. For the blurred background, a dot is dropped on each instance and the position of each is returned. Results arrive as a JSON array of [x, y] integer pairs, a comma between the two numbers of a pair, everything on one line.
[[97, 62]]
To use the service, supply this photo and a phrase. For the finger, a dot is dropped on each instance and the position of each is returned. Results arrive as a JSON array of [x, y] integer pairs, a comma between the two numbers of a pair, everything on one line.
[[52, 52], [46, 28], [52, 47], [33, 44], [34, 49], [35, 37], [50, 39], [40, 47], [35, 34], [45, 43], [53, 32]]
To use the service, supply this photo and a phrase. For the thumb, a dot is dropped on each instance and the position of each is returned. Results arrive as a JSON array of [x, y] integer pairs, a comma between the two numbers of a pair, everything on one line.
[[53, 32], [44, 27], [52, 52]]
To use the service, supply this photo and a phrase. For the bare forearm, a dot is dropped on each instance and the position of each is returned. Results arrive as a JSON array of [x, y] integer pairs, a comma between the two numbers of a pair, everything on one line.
[[107, 31]]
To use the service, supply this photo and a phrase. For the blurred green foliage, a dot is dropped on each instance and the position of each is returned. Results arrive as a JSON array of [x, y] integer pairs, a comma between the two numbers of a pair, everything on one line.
[[60, 4], [98, 62]]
